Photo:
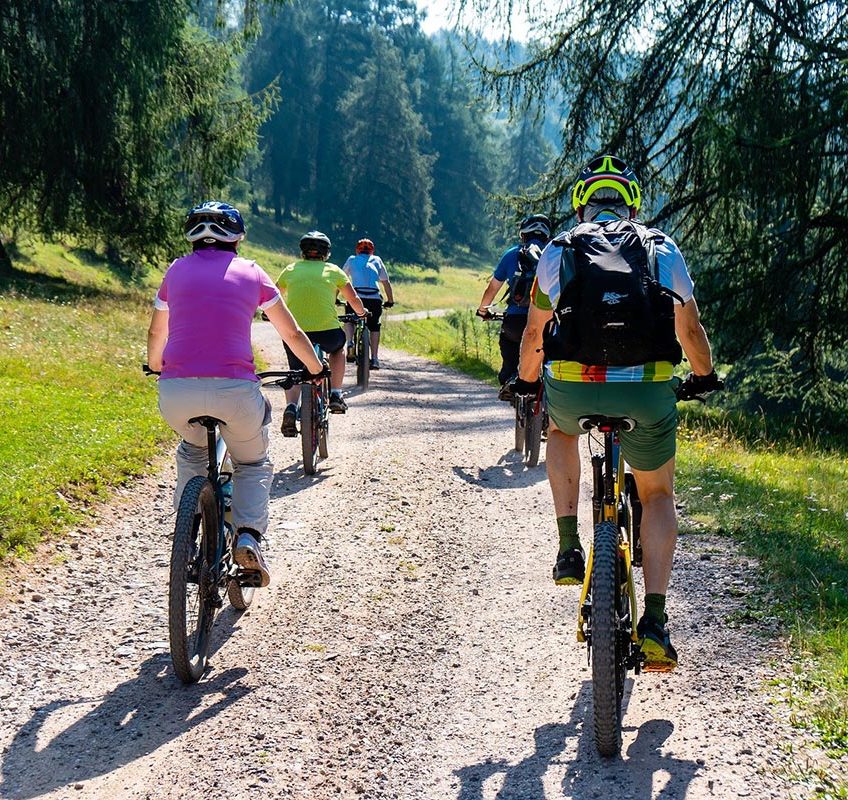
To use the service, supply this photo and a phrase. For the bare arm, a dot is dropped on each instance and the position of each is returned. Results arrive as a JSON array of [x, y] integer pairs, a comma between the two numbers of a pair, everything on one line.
[[351, 296], [489, 294], [290, 332], [387, 288], [157, 337], [530, 363], [687, 325]]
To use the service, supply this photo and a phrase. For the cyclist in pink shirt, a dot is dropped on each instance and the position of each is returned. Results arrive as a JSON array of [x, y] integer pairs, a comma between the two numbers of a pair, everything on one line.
[[199, 339]]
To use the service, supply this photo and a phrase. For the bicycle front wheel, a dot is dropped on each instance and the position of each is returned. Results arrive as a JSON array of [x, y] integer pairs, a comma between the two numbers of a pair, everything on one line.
[[363, 360], [191, 610], [532, 436], [310, 424], [608, 658]]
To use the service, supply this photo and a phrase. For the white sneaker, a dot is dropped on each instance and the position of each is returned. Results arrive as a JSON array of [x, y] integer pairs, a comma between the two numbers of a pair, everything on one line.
[[248, 556]]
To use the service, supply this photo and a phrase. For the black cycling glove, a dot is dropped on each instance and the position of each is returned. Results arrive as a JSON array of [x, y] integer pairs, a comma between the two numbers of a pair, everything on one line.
[[388, 303], [696, 385], [519, 386]]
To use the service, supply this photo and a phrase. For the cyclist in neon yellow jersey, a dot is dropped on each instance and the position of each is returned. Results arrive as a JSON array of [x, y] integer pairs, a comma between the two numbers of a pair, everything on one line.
[[597, 364], [311, 286]]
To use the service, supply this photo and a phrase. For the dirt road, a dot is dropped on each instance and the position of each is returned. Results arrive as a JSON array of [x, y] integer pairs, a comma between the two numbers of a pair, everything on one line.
[[411, 645]]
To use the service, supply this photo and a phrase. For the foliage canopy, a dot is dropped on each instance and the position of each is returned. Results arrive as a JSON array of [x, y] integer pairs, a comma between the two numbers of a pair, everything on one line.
[[735, 115]]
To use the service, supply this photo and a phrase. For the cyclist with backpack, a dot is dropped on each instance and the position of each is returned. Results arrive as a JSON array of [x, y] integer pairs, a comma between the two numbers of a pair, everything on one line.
[[367, 273], [199, 340], [611, 300], [311, 286], [517, 268]]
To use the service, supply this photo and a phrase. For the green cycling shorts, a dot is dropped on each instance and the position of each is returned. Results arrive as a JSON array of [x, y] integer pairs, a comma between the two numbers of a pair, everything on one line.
[[652, 404]]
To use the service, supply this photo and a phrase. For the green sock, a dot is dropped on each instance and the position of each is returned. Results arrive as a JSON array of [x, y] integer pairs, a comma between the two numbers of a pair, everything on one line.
[[568, 538], [655, 607]]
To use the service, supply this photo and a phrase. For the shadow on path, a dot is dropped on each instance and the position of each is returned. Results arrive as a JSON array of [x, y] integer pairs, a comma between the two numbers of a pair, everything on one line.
[[588, 775], [60, 745], [508, 473]]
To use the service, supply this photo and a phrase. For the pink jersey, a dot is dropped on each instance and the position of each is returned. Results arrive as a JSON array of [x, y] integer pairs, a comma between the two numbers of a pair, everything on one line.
[[211, 297]]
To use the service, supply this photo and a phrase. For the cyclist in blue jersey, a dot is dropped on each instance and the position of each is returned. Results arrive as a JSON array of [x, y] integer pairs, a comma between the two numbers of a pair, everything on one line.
[[516, 268], [367, 273]]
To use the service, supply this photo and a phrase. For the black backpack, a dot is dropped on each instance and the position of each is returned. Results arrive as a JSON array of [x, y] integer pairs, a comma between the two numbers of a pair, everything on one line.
[[612, 310], [520, 284]]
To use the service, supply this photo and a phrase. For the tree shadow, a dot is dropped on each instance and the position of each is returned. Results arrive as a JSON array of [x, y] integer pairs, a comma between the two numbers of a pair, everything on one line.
[[128, 722], [290, 479], [509, 473]]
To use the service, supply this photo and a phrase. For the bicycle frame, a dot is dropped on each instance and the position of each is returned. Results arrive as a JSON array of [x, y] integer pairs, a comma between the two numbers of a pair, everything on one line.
[[217, 451], [607, 506]]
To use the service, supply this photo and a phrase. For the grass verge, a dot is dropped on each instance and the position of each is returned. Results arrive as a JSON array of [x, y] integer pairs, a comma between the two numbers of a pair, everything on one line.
[[79, 416], [459, 340], [788, 505]]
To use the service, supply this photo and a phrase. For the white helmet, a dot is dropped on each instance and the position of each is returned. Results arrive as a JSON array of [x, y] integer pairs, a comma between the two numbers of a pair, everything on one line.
[[214, 221]]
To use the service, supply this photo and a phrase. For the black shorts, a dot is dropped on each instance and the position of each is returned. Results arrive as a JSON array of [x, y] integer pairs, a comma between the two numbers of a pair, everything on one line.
[[329, 341], [375, 306]]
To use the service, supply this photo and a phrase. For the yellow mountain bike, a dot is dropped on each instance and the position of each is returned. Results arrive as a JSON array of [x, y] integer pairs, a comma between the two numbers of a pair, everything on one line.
[[606, 614]]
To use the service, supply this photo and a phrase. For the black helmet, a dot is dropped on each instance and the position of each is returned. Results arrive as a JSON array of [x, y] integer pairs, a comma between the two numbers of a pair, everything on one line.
[[315, 245], [536, 226]]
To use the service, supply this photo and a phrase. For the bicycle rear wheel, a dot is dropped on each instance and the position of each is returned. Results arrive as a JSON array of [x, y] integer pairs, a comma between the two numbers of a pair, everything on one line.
[[324, 422], [240, 597], [191, 610], [608, 657], [363, 359], [310, 423], [532, 435], [519, 426]]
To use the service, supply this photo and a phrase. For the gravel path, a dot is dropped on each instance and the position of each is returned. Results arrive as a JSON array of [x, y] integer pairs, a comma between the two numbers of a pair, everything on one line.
[[411, 644]]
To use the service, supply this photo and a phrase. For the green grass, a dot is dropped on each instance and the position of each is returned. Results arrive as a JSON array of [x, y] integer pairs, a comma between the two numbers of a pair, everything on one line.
[[79, 417], [788, 505], [459, 340]]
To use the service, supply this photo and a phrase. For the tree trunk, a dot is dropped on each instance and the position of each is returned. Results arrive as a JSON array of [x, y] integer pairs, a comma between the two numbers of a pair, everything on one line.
[[7, 271]]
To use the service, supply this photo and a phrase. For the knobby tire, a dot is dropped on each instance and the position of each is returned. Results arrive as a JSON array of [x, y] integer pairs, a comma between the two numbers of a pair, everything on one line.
[[363, 360], [240, 597], [532, 434], [309, 428], [190, 613], [607, 660], [519, 427], [324, 418]]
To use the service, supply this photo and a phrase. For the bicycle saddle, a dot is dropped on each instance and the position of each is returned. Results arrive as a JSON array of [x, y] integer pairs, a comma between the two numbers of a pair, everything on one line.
[[606, 424], [207, 422]]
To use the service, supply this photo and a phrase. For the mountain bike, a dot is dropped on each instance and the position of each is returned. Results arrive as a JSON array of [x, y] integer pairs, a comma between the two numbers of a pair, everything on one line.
[[314, 414], [531, 424], [607, 613], [361, 348], [203, 566]]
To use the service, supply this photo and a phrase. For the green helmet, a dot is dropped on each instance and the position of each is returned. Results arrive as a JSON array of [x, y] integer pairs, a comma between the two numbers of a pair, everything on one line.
[[609, 175]]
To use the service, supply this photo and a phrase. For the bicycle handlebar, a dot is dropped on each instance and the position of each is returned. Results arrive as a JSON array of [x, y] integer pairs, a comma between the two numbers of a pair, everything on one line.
[[354, 317]]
